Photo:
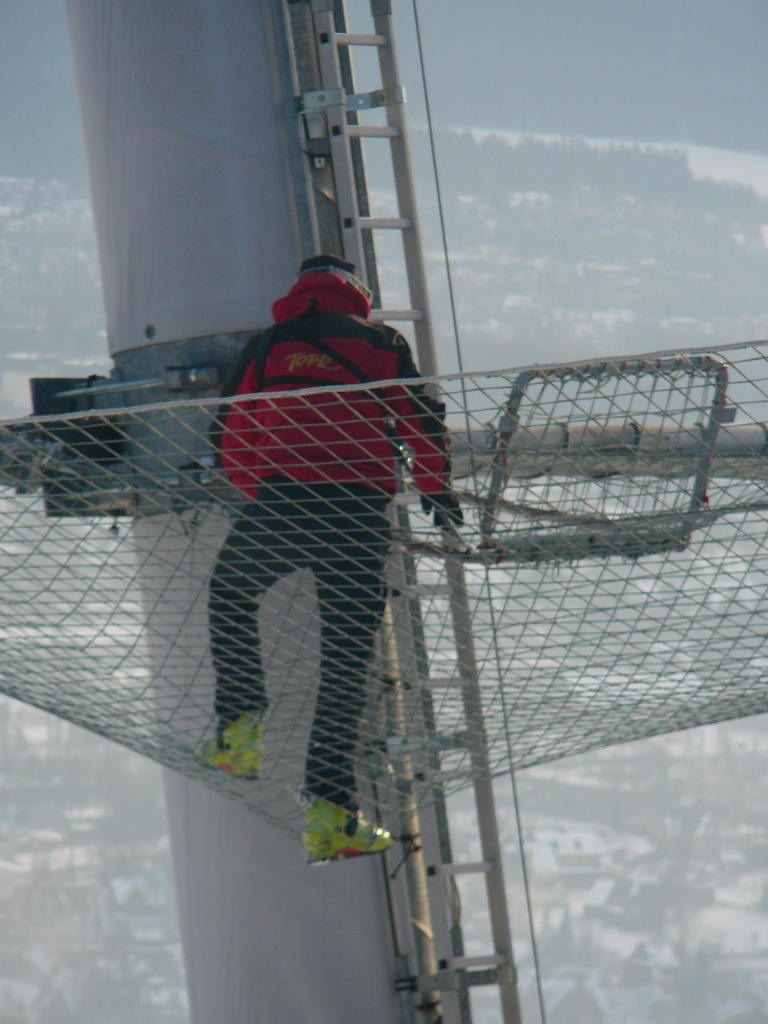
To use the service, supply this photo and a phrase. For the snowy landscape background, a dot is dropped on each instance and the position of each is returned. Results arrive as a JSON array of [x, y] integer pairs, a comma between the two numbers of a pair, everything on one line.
[[567, 239]]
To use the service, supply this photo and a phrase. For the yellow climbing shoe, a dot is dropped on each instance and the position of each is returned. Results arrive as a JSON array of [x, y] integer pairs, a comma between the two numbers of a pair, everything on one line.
[[331, 833], [238, 748]]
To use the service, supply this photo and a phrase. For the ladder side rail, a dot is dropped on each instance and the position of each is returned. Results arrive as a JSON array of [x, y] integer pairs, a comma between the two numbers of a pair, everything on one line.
[[422, 934], [384, 670], [483, 790], [441, 837], [338, 135], [409, 655], [406, 193], [305, 73], [342, 42], [280, 32]]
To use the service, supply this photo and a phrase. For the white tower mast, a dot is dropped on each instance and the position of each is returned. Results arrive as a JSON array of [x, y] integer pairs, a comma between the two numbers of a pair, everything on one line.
[[200, 227]]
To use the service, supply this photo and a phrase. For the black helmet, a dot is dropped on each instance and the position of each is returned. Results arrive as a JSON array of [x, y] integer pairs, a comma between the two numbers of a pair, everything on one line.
[[327, 264]]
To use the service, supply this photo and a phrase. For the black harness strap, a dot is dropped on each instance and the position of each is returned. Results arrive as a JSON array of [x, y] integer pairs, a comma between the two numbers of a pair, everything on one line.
[[337, 357], [255, 351], [291, 380]]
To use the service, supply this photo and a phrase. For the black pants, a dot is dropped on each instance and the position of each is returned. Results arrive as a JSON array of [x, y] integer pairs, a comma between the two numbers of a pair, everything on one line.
[[341, 532]]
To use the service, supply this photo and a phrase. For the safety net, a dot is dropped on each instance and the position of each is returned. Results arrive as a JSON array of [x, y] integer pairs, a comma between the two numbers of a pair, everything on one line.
[[608, 581]]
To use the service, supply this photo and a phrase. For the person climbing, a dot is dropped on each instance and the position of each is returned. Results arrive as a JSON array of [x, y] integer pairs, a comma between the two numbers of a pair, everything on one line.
[[317, 471]]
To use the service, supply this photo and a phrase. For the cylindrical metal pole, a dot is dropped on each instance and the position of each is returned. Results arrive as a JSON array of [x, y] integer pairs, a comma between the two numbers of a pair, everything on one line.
[[406, 197], [484, 799], [421, 918], [462, 1009]]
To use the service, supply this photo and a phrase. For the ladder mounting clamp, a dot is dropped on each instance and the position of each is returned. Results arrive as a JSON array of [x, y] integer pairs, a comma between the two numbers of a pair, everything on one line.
[[459, 980], [318, 99], [407, 984], [377, 98]]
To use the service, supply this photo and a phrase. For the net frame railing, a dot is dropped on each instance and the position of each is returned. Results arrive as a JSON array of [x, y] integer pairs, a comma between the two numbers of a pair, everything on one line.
[[113, 520]]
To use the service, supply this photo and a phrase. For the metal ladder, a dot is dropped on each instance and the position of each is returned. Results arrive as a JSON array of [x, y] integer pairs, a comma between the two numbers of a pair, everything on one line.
[[441, 974], [330, 135], [445, 968]]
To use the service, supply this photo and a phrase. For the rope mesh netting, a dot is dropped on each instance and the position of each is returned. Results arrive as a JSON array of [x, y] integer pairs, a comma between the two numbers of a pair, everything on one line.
[[613, 564]]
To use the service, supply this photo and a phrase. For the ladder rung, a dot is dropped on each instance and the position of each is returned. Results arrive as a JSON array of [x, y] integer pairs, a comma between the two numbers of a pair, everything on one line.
[[479, 867], [385, 223], [473, 962], [377, 98], [441, 683], [456, 981], [373, 131], [429, 590], [380, 315], [467, 774], [406, 497], [399, 746], [350, 39]]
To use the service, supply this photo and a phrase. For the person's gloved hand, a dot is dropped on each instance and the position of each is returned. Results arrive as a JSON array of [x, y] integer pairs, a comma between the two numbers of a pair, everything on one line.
[[447, 511]]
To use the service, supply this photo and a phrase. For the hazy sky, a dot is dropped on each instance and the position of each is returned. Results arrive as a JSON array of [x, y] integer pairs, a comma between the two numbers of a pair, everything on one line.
[[662, 70], [657, 70], [39, 121]]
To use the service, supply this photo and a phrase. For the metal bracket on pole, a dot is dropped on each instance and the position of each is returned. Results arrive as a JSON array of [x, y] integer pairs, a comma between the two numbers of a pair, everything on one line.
[[377, 98], [321, 98], [460, 980]]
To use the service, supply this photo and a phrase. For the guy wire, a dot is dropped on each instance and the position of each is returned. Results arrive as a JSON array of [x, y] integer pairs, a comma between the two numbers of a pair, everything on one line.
[[457, 337], [436, 173]]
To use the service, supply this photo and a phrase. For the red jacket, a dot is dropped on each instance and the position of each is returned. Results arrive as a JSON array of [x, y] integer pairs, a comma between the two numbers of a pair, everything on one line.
[[322, 339]]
